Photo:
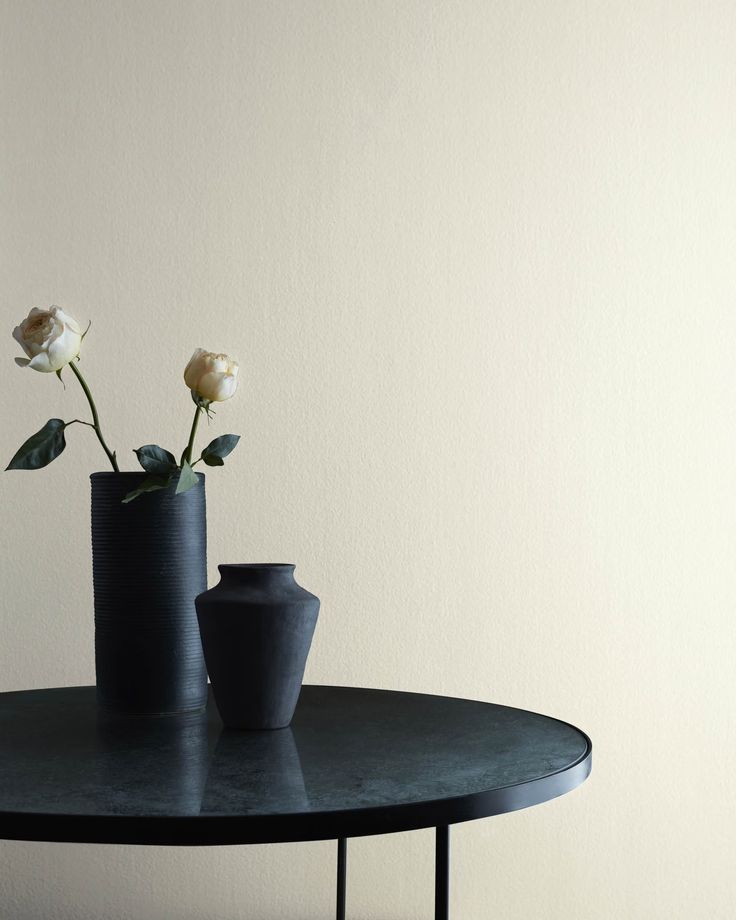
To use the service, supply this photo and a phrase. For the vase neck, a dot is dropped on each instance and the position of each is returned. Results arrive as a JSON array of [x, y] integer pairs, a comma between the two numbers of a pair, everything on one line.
[[258, 574]]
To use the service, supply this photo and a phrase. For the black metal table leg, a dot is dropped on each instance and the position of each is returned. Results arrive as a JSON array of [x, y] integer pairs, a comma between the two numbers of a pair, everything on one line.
[[442, 874], [342, 864]]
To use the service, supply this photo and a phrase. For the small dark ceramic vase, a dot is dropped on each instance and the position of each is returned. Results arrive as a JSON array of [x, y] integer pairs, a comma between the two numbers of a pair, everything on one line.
[[149, 562], [256, 626]]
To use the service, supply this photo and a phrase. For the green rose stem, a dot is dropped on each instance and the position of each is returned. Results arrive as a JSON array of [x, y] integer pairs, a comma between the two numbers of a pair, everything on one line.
[[187, 455], [95, 416]]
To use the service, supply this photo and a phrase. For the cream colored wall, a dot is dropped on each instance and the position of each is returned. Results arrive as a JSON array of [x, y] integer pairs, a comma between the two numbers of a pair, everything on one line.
[[478, 261]]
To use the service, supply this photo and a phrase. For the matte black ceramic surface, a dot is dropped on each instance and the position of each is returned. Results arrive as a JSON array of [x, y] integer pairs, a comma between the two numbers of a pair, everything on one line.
[[353, 762], [256, 626], [149, 562]]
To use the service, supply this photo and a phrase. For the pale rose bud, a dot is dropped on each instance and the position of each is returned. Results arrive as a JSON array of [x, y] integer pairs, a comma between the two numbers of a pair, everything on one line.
[[213, 377], [50, 338]]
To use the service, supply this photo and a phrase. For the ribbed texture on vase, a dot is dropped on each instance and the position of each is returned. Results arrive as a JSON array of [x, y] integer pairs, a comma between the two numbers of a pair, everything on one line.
[[149, 562]]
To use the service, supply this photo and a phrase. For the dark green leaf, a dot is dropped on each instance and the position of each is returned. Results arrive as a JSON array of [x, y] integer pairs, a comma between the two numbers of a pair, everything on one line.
[[150, 484], [41, 448], [215, 451], [187, 479], [156, 460]]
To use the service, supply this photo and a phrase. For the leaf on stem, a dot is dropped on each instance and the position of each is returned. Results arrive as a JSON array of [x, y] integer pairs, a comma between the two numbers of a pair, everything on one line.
[[150, 484], [187, 479], [41, 448], [216, 450], [156, 460]]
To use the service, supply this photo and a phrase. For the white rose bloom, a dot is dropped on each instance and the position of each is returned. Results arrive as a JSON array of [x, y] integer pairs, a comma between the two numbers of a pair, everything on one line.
[[50, 338], [213, 377]]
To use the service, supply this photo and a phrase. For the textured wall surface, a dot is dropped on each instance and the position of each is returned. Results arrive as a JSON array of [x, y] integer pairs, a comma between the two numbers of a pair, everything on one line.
[[478, 262]]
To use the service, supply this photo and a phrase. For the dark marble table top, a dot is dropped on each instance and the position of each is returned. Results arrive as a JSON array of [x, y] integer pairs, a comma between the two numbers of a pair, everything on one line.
[[353, 762]]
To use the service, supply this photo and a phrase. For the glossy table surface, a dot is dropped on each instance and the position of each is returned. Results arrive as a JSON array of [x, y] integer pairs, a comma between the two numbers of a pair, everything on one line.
[[353, 762]]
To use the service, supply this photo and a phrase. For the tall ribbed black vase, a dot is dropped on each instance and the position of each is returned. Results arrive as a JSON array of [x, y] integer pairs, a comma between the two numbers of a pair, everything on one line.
[[149, 562]]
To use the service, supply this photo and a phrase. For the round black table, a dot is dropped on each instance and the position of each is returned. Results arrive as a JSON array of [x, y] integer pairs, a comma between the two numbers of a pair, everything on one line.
[[353, 762]]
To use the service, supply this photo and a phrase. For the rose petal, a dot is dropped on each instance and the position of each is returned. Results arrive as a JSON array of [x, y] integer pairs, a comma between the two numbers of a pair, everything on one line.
[[41, 363], [219, 364], [64, 348], [228, 386], [67, 320], [192, 373], [18, 336]]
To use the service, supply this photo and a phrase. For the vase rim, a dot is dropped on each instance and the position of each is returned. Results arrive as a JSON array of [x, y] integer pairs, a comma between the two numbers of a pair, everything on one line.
[[106, 474], [257, 565]]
